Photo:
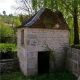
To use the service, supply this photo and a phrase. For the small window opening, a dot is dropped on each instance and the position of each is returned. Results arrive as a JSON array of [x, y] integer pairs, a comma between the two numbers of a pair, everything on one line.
[[22, 37]]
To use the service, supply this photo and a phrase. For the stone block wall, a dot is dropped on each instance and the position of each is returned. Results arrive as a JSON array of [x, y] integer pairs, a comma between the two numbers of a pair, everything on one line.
[[73, 60], [22, 52], [8, 65], [35, 40]]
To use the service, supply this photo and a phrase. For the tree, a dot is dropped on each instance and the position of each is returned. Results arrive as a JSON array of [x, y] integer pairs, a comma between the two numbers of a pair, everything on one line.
[[70, 8], [16, 23], [23, 18], [4, 12], [75, 19], [25, 6], [10, 15], [5, 31]]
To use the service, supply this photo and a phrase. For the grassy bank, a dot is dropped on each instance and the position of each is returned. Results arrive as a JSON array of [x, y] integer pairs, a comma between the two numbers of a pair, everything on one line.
[[52, 76]]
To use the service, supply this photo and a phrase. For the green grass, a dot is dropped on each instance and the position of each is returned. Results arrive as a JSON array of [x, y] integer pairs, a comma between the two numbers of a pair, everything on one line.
[[4, 46], [52, 76], [13, 76]]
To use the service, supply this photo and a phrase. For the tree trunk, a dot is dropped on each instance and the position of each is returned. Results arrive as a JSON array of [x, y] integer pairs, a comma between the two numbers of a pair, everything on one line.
[[76, 31]]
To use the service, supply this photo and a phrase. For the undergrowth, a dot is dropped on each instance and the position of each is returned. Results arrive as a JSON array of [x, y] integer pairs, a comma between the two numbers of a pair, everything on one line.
[[64, 75]]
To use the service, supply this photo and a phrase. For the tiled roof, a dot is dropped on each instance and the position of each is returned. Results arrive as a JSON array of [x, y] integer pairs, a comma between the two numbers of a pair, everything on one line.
[[46, 18], [35, 18]]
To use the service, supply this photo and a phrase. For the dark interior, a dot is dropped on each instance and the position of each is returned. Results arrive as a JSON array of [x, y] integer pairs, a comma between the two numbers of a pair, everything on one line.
[[43, 62]]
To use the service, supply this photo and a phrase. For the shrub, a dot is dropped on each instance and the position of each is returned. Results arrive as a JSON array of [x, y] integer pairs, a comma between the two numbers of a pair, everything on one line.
[[7, 54], [6, 31], [4, 46], [7, 51]]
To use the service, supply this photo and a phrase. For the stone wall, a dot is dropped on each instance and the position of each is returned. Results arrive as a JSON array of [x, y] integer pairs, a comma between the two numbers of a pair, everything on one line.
[[22, 51], [35, 40], [8, 65], [73, 60]]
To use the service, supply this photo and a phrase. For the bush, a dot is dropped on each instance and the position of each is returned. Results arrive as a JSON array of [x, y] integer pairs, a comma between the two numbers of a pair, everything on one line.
[[6, 32], [7, 51], [4, 46], [7, 54]]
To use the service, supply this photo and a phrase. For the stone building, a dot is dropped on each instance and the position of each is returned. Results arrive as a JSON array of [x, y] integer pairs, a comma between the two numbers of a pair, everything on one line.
[[44, 35]]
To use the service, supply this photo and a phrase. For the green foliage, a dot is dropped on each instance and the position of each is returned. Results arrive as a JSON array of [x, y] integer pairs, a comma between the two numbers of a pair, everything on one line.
[[54, 76], [7, 51], [13, 76], [23, 18], [5, 31], [51, 57], [34, 5], [8, 28], [17, 22], [4, 46], [64, 75], [7, 54]]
